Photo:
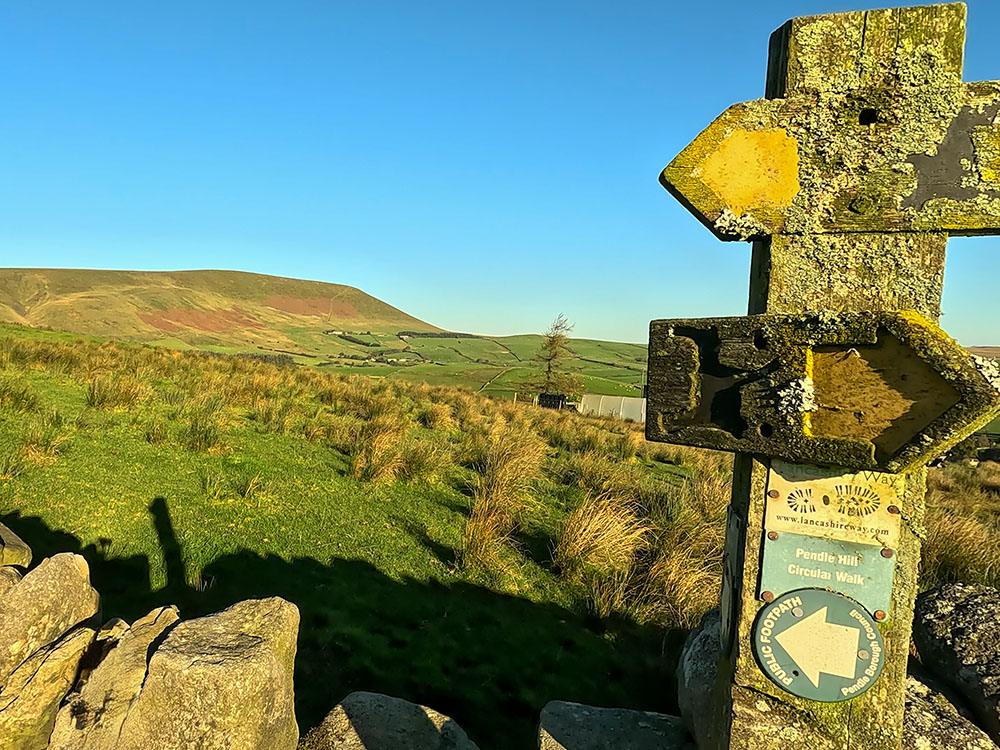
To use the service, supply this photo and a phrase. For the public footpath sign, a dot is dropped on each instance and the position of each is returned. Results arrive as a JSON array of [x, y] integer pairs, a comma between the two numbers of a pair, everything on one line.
[[819, 645], [829, 529]]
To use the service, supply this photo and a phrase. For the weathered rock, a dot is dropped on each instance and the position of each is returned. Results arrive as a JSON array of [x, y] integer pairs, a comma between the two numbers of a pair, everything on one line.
[[371, 721], [696, 672], [222, 681], [8, 577], [572, 726], [41, 607], [956, 629], [92, 717], [933, 723], [30, 698], [13, 551]]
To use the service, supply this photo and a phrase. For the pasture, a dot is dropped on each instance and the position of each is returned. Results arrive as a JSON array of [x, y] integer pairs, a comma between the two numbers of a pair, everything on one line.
[[472, 554]]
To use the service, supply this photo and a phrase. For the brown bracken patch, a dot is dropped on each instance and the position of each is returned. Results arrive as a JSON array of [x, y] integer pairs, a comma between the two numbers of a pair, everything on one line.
[[213, 321], [318, 306]]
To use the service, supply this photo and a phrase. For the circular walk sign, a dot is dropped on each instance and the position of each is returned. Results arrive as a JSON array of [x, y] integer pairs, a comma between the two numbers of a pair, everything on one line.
[[818, 645]]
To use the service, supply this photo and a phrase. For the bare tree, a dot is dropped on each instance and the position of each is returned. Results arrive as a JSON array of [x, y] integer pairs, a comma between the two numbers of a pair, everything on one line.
[[552, 354]]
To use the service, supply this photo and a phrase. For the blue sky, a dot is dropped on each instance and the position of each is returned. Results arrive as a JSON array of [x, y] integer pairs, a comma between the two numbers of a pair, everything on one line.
[[482, 166]]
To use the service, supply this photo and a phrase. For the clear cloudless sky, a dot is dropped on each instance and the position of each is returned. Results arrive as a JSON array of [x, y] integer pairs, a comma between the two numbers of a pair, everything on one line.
[[481, 165]]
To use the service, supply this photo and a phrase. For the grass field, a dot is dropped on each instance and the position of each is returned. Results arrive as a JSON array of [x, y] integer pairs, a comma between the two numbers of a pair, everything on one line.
[[471, 554], [201, 480]]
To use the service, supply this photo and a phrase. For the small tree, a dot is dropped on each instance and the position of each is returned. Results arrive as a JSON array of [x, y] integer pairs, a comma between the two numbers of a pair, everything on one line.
[[553, 354]]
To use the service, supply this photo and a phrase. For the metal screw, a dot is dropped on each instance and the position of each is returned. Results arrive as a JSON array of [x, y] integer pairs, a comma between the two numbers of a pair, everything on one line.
[[893, 509], [773, 493], [886, 552], [772, 535], [862, 654], [797, 611], [880, 615], [767, 596]]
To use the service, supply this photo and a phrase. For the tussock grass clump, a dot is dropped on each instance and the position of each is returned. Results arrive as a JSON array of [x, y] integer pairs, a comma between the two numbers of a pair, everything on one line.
[[272, 415], [601, 535], [436, 416], [43, 442], [204, 426], [155, 430], [12, 463], [248, 485], [963, 529], [424, 460], [18, 396], [511, 463], [114, 391], [959, 548], [378, 455], [211, 485]]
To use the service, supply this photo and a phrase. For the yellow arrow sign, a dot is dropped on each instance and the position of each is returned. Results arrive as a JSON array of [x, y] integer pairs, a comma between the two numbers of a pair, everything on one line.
[[887, 391], [861, 149]]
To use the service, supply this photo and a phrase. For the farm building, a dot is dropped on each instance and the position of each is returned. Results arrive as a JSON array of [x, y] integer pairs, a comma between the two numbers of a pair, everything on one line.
[[624, 407]]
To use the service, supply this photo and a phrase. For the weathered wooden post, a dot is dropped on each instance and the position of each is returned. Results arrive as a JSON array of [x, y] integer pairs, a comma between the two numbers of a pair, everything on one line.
[[866, 153]]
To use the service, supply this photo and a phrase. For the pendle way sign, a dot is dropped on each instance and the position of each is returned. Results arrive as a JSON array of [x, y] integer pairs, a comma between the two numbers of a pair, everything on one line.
[[818, 645]]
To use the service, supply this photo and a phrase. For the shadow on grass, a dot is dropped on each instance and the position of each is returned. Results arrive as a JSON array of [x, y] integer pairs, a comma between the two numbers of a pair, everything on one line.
[[488, 660]]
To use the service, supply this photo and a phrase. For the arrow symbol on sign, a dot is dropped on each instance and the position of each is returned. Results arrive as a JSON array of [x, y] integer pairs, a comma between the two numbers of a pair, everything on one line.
[[816, 645]]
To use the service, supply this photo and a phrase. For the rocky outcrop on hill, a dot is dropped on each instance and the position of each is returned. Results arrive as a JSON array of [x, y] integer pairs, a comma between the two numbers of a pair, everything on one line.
[[30, 698], [956, 629], [41, 607], [92, 716], [370, 721], [222, 681]]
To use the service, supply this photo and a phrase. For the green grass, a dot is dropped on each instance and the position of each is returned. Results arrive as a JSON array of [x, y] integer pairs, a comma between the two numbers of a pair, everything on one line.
[[265, 505]]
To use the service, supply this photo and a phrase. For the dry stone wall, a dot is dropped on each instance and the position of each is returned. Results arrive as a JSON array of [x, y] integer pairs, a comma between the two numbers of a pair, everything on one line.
[[66, 683]]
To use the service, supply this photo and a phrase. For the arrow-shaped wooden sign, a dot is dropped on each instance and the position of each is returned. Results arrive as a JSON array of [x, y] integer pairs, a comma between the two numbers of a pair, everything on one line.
[[887, 391], [856, 144]]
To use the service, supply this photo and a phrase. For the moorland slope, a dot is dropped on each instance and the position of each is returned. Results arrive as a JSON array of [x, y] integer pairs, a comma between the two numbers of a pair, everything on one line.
[[198, 308], [334, 326]]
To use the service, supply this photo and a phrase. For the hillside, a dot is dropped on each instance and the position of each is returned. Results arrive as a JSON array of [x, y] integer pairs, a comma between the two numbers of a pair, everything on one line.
[[337, 327], [229, 309], [993, 352]]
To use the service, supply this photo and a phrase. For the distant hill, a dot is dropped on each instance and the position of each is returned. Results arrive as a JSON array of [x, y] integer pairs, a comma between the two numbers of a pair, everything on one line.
[[216, 309], [993, 352], [332, 326]]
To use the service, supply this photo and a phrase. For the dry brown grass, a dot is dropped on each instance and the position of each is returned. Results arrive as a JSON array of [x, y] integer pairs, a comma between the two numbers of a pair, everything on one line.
[[436, 416], [511, 463], [424, 460], [378, 454], [963, 528], [602, 536], [115, 392]]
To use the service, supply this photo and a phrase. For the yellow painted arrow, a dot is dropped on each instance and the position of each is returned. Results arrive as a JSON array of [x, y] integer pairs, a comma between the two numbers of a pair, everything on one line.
[[857, 144]]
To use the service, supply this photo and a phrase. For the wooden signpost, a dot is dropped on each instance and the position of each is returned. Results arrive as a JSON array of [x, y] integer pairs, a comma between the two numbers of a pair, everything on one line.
[[867, 151]]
